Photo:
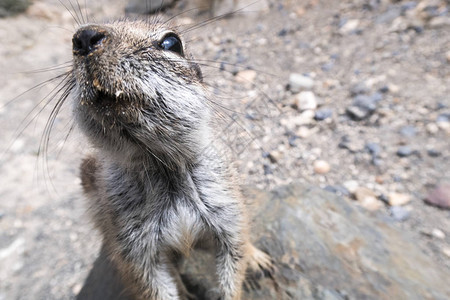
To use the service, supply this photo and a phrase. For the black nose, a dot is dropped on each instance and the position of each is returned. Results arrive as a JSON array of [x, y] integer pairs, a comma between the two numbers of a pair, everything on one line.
[[86, 40]]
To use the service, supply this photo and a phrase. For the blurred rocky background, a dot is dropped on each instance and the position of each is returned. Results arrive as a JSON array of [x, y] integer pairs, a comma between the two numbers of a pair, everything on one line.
[[345, 102]]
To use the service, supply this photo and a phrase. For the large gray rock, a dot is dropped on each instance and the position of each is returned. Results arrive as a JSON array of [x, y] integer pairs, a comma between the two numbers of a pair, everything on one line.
[[324, 248]]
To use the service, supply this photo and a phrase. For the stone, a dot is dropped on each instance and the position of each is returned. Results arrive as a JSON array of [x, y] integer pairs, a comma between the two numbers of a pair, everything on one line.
[[443, 122], [433, 153], [432, 128], [404, 151], [305, 100], [440, 196], [323, 248], [408, 131], [147, 7], [267, 169], [437, 233], [224, 7], [321, 167], [326, 67], [305, 118], [349, 26], [443, 118], [373, 148], [389, 15], [299, 82], [446, 251], [399, 213], [441, 21], [337, 189], [351, 185], [363, 106], [304, 132], [353, 145], [323, 114], [275, 156], [359, 88], [394, 89], [357, 113], [246, 76], [367, 198], [397, 199]]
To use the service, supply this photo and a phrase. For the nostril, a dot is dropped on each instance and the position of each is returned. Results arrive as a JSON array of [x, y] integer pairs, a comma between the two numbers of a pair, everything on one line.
[[86, 40], [97, 38]]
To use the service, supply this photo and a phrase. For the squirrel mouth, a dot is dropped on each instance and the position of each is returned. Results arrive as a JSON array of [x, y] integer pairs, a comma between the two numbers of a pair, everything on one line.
[[99, 99], [105, 99]]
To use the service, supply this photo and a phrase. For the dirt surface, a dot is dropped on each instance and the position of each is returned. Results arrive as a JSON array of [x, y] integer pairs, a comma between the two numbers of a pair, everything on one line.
[[395, 54]]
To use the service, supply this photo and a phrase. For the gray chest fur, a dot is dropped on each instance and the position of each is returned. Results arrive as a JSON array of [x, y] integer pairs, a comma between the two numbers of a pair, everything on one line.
[[150, 210]]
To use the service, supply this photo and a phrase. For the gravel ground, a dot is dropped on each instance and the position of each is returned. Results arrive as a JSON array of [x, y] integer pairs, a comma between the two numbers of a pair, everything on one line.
[[351, 96]]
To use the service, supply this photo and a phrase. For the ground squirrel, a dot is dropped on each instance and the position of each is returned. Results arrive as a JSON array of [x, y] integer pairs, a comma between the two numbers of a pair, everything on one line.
[[156, 187]]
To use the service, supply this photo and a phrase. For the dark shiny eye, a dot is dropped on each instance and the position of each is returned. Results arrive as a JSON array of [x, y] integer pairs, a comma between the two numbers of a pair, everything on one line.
[[171, 43]]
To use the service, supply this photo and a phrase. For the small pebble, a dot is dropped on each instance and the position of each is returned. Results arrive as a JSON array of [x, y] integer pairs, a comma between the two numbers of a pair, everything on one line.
[[363, 106], [321, 167], [337, 189], [359, 88], [440, 196], [349, 26], [357, 113], [351, 185], [384, 89], [304, 132], [433, 153], [373, 148], [305, 100], [327, 66], [351, 145], [408, 131], [384, 198], [291, 140], [398, 199], [283, 32], [267, 169], [246, 76], [443, 118], [379, 179], [322, 114], [76, 288], [443, 122], [399, 213], [446, 251], [437, 233], [441, 21], [306, 117], [275, 156], [394, 89], [432, 128], [404, 151], [367, 199], [298, 82]]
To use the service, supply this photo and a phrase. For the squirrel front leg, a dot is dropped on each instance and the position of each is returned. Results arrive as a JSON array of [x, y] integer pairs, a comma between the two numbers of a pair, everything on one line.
[[231, 266], [151, 276]]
